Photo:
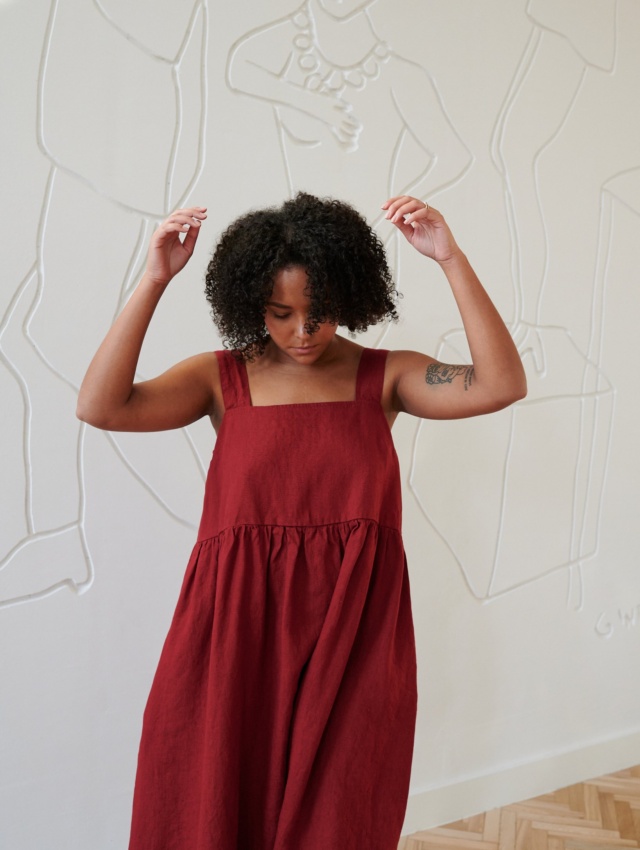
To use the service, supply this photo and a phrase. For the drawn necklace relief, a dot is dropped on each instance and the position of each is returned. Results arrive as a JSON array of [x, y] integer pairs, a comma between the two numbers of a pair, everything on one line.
[[336, 90], [322, 75]]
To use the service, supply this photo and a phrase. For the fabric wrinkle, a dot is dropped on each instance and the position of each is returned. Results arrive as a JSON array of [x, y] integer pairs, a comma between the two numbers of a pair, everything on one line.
[[282, 712]]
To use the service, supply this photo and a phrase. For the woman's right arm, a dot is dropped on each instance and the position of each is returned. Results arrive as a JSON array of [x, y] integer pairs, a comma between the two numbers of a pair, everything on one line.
[[108, 397]]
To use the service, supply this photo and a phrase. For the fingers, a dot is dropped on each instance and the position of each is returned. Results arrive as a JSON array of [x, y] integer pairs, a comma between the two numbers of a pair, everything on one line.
[[182, 220], [406, 213], [405, 209], [191, 237], [173, 242]]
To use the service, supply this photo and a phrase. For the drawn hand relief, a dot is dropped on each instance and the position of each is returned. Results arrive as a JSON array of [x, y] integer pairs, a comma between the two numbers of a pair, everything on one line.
[[123, 154], [545, 515], [347, 106]]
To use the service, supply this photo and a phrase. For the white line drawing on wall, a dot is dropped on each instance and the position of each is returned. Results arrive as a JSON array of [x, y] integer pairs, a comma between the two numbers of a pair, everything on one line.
[[103, 191], [562, 46], [570, 402], [347, 106]]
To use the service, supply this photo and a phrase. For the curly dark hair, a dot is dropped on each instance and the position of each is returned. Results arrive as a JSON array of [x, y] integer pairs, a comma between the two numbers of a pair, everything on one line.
[[349, 281]]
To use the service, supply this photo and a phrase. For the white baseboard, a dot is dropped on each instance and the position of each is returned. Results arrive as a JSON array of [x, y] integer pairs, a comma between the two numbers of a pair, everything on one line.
[[438, 806]]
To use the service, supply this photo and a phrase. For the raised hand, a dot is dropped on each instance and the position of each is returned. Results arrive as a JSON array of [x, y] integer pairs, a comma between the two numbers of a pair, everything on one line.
[[168, 253], [422, 226]]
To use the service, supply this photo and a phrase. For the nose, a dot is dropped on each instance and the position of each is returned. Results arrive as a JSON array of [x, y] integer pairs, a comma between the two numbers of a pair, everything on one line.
[[302, 331]]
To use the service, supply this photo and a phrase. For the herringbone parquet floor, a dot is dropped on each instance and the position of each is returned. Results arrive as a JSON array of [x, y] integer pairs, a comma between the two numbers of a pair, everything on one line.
[[599, 814]]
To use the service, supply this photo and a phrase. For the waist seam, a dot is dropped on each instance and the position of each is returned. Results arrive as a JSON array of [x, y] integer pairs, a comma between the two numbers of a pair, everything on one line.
[[296, 525]]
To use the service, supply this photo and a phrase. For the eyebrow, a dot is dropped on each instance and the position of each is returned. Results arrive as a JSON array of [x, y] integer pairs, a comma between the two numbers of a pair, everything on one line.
[[275, 304]]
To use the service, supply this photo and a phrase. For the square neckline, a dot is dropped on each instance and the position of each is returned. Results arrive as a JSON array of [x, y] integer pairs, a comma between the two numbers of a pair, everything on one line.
[[244, 377], [234, 383]]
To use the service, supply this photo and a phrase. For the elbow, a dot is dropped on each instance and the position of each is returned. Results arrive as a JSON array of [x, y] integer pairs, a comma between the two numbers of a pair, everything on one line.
[[521, 389], [85, 416], [81, 413], [90, 416], [514, 384], [512, 393], [506, 395]]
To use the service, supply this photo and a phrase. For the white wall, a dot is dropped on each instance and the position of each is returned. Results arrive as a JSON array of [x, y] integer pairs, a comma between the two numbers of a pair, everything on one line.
[[520, 122]]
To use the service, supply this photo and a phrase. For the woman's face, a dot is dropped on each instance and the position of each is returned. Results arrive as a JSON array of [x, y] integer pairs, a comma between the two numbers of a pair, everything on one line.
[[343, 8], [287, 313]]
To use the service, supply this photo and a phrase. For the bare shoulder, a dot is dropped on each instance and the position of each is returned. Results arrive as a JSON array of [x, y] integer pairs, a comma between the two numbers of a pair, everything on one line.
[[202, 373], [200, 377], [210, 366], [203, 368], [401, 362]]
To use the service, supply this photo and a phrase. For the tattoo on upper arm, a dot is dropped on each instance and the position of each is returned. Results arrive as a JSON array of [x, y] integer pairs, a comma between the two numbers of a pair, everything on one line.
[[444, 373]]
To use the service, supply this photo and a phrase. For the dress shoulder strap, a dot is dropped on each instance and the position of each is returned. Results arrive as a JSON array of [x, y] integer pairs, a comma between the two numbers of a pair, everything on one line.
[[233, 380], [371, 374]]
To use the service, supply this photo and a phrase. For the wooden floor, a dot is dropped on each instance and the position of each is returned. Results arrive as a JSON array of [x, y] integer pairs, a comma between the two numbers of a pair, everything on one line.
[[596, 815]]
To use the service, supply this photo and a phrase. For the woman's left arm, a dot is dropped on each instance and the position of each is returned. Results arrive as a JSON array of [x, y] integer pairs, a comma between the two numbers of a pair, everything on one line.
[[427, 388]]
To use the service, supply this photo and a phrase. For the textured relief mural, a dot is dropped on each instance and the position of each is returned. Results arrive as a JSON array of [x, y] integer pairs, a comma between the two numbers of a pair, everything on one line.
[[347, 106], [118, 165], [621, 191], [520, 121], [546, 512]]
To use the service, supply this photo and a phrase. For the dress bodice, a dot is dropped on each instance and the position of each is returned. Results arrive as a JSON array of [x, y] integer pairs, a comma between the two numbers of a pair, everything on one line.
[[302, 464]]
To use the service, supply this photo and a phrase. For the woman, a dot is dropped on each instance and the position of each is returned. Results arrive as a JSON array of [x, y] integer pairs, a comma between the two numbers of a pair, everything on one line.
[[282, 713]]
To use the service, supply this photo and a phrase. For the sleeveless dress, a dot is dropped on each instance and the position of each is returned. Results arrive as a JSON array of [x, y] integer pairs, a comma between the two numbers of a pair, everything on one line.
[[282, 712]]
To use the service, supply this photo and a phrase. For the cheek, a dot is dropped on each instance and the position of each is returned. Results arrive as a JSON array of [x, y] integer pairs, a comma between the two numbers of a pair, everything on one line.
[[327, 331]]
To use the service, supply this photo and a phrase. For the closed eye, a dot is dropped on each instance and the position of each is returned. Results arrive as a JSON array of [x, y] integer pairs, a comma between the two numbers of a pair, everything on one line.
[[278, 316]]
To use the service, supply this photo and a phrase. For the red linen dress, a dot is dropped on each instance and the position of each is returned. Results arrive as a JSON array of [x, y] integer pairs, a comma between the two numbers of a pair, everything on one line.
[[282, 713]]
